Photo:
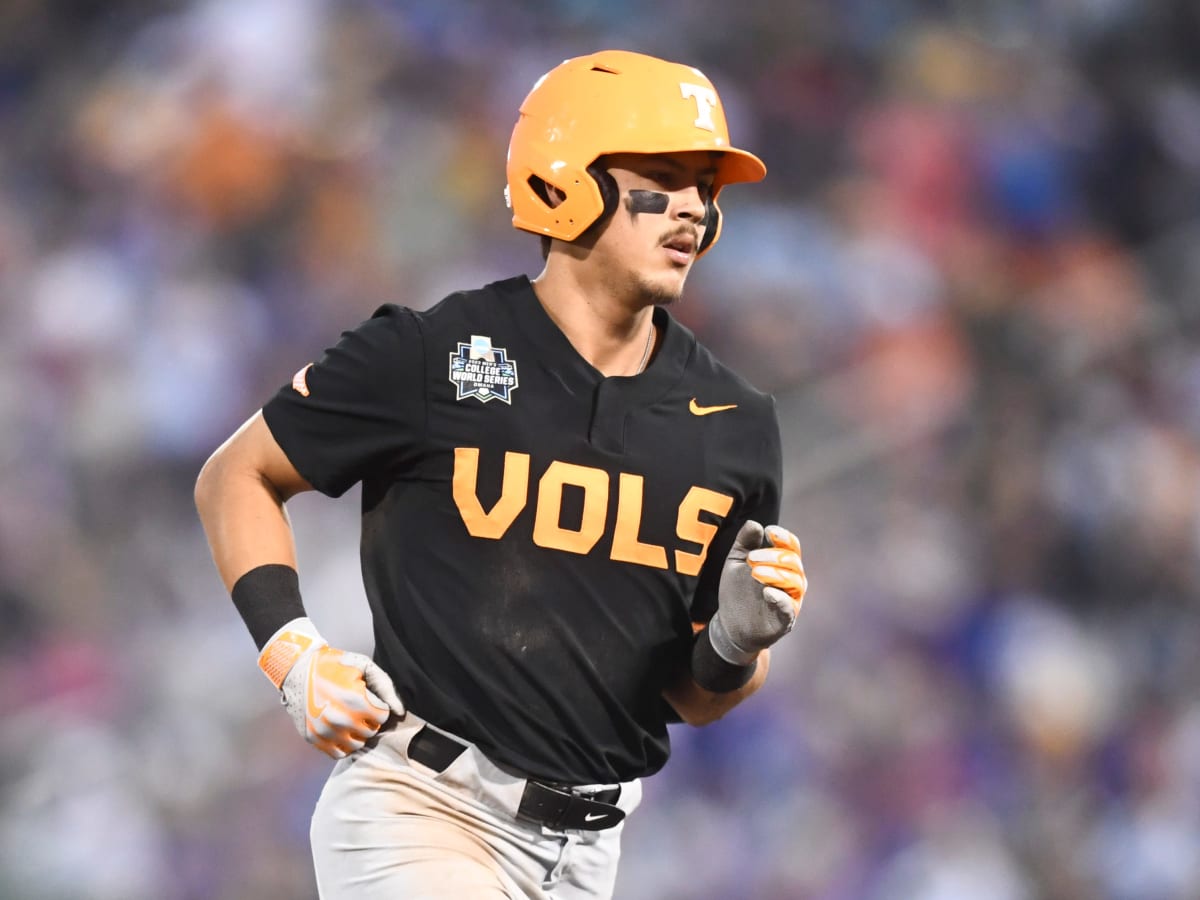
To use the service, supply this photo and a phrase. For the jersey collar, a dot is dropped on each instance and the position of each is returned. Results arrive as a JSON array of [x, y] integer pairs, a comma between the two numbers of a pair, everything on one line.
[[558, 356]]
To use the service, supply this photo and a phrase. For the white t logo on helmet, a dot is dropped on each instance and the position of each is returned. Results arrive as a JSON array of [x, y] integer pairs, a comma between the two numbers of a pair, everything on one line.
[[706, 99]]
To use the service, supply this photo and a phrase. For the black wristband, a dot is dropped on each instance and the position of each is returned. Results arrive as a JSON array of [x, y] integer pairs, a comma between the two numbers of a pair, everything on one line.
[[715, 674], [267, 598]]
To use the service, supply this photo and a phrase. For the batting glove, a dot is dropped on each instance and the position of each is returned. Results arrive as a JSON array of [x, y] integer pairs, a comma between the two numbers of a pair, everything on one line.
[[762, 587], [336, 699]]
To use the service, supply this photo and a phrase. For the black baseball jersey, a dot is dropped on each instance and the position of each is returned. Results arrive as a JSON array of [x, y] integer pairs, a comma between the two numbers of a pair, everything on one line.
[[537, 539]]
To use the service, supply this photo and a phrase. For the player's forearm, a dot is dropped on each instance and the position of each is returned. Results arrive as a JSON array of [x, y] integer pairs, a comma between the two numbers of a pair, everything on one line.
[[243, 517], [697, 706], [240, 496]]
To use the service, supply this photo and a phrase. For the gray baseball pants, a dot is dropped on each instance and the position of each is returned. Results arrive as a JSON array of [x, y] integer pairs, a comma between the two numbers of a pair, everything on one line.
[[389, 827]]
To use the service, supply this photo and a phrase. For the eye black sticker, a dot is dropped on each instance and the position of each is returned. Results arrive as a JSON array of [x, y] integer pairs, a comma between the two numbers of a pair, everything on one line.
[[646, 202]]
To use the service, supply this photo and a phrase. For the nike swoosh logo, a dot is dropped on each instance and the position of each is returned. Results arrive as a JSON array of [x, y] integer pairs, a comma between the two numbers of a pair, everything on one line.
[[592, 817], [315, 710], [697, 410]]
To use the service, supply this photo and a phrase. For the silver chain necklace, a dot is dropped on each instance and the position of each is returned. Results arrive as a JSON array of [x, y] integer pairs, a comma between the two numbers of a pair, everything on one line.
[[646, 353]]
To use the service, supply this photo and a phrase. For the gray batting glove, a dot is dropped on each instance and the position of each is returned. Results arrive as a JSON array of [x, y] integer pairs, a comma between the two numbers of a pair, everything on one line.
[[338, 699], [761, 590]]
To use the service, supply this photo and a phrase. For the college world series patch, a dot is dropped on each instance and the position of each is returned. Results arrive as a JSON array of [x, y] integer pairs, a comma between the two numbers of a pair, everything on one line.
[[477, 369]]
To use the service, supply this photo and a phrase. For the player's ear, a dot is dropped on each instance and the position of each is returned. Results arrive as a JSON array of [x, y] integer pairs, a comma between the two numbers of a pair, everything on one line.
[[554, 196], [549, 194]]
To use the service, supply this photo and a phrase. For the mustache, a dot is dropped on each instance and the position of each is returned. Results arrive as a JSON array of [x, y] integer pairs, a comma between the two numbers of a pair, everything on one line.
[[682, 231]]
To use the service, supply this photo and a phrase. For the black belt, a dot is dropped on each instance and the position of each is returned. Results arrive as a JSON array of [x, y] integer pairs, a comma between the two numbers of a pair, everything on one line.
[[555, 806]]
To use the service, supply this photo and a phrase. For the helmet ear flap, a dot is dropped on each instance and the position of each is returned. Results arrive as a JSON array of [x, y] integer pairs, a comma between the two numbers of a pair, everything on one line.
[[712, 224], [609, 193]]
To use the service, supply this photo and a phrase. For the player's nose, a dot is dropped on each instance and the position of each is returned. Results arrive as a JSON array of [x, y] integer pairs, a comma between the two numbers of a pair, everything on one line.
[[689, 204]]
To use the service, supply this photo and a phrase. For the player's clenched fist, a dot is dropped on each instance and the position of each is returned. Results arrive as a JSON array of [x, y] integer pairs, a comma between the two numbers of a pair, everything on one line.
[[779, 565], [336, 699], [762, 587]]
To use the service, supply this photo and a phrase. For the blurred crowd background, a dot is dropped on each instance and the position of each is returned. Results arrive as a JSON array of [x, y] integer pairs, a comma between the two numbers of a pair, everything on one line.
[[970, 280]]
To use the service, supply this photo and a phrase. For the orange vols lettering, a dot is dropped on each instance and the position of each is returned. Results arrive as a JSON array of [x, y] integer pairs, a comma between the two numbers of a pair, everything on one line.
[[626, 547], [689, 527], [513, 492], [548, 530]]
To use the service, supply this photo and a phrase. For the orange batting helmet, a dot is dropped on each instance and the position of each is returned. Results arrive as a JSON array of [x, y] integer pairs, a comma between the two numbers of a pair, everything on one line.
[[613, 101]]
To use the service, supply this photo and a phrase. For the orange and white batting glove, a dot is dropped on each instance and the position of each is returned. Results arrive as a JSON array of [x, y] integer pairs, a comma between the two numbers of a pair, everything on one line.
[[337, 700], [762, 588]]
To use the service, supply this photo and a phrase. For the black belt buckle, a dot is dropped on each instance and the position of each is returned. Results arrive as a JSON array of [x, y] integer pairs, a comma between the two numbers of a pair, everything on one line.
[[560, 810], [544, 804]]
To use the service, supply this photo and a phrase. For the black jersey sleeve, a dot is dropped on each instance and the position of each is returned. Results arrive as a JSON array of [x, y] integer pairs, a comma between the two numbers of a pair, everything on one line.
[[357, 410], [761, 504]]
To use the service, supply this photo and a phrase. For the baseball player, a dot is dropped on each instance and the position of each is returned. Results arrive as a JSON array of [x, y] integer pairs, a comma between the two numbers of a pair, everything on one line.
[[563, 507]]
